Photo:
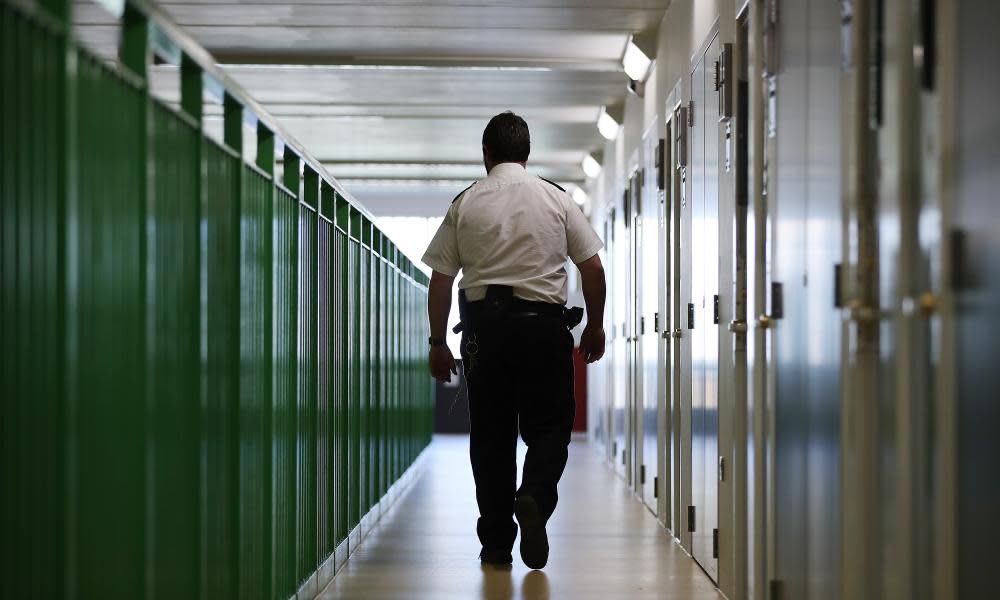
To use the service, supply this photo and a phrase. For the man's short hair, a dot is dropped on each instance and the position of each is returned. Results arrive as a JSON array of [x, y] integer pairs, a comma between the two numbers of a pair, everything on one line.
[[506, 138]]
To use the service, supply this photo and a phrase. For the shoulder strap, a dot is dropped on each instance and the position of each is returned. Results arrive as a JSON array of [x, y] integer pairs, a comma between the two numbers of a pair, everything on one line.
[[455, 199], [553, 183]]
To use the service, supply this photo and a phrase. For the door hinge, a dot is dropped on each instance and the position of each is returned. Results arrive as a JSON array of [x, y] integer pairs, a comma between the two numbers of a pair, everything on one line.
[[715, 308], [661, 179], [838, 278], [958, 240], [928, 37], [614, 448], [624, 454], [716, 76], [715, 543], [725, 89], [690, 113], [690, 315], [640, 177], [691, 519], [656, 487], [642, 475], [642, 325], [656, 322], [680, 136], [722, 468], [777, 301]]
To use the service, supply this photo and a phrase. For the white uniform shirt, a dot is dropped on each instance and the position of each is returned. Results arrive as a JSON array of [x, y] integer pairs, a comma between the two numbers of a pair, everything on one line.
[[512, 229]]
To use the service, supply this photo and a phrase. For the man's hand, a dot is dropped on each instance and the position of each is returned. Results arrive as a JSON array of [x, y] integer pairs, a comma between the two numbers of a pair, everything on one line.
[[442, 363], [594, 293], [592, 342]]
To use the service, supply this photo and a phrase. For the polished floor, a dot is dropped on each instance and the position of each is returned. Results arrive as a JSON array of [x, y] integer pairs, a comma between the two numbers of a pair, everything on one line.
[[604, 543]]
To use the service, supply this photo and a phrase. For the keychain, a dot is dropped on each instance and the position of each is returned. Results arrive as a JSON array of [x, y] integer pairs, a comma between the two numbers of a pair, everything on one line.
[[471, 349]]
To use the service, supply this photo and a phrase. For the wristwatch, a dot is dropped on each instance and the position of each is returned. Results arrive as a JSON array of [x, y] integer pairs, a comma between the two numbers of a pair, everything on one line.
[[433, 341]]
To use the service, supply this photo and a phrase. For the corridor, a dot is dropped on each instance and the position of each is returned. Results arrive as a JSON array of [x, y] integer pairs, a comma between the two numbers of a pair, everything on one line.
[[604, 544], [216, 350]]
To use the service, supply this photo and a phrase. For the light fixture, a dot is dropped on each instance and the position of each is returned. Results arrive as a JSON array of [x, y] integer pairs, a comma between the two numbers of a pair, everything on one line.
[[607, 125], [591, 167], [609, 120], [635, 60], [579, 196]]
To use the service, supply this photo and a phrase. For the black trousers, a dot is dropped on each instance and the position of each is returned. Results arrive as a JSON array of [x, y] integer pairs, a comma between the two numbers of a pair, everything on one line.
[[519, 373]]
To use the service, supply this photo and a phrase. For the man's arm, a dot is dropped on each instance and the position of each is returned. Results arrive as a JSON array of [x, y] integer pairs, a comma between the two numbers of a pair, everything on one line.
[[594, 293], [440, 359]]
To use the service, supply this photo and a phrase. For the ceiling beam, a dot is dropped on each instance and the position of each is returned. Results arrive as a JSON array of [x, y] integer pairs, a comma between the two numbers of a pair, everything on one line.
[[239, 57]]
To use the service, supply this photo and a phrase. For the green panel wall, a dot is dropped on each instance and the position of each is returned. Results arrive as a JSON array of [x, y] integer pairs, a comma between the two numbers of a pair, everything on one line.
[[207, 380], [172, 353], [285, 391], [325, 423], [256, 318], [220, 299], [342, 365], [33, 406], [306, 485], [105, 291]]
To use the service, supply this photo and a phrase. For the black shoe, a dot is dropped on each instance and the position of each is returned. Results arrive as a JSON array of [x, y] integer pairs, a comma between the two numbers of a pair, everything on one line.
[[534, 541], [495, 558]]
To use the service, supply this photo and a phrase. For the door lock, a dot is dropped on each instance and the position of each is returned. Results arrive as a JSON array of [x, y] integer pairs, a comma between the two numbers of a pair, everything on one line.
[[678, 333], [765, 322], [925, 304], [861, 313], [738, 326]]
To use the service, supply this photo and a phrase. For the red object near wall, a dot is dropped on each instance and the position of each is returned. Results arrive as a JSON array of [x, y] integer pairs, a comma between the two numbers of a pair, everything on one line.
[[580, 390]]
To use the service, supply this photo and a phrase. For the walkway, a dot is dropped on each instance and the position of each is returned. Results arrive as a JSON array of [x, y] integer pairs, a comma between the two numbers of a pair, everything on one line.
[[604, 543]]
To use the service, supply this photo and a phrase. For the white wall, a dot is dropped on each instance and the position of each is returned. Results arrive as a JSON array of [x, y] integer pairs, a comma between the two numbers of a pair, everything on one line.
[[682, 31]]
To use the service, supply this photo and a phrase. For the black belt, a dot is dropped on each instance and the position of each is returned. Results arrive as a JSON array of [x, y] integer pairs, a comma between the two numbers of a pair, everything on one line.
[[516, 308]]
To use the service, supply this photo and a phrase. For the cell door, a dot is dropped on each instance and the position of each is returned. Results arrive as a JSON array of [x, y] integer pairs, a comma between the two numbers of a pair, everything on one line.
[[664, 362], [680, 317], [633, 284], [910, 255], [619, 415], [647, 302], [704, 308], [633, 358]]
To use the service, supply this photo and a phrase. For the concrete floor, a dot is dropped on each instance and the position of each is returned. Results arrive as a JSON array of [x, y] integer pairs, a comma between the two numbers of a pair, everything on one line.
[[604, 543]]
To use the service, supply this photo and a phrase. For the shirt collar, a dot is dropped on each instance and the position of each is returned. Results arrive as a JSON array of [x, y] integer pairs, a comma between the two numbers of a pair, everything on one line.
[[507, 171]]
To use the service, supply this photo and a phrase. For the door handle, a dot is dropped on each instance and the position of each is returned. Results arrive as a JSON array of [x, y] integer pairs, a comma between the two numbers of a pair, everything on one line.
[[925, 304], [765, 322], [860, 313], [678, 333]]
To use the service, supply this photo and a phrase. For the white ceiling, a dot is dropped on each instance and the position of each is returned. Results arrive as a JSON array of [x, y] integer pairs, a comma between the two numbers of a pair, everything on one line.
[[393, 95]]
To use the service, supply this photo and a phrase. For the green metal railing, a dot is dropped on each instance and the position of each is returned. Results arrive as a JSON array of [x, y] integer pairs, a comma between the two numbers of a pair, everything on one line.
[[207, 377]]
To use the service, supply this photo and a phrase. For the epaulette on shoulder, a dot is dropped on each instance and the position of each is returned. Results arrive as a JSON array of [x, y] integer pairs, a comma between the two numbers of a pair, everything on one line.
[[455, 199], [561, 188]]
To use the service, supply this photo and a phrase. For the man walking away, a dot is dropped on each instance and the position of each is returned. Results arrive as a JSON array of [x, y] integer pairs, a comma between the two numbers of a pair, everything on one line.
[[510, 234]]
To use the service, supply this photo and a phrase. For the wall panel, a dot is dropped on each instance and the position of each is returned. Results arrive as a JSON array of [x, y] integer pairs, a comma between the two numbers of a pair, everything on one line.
[[184, 384]]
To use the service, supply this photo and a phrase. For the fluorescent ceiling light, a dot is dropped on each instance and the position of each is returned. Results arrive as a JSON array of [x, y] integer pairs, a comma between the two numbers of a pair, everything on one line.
[[579, 196], [635, 61], [591, 167], [607, 124]]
